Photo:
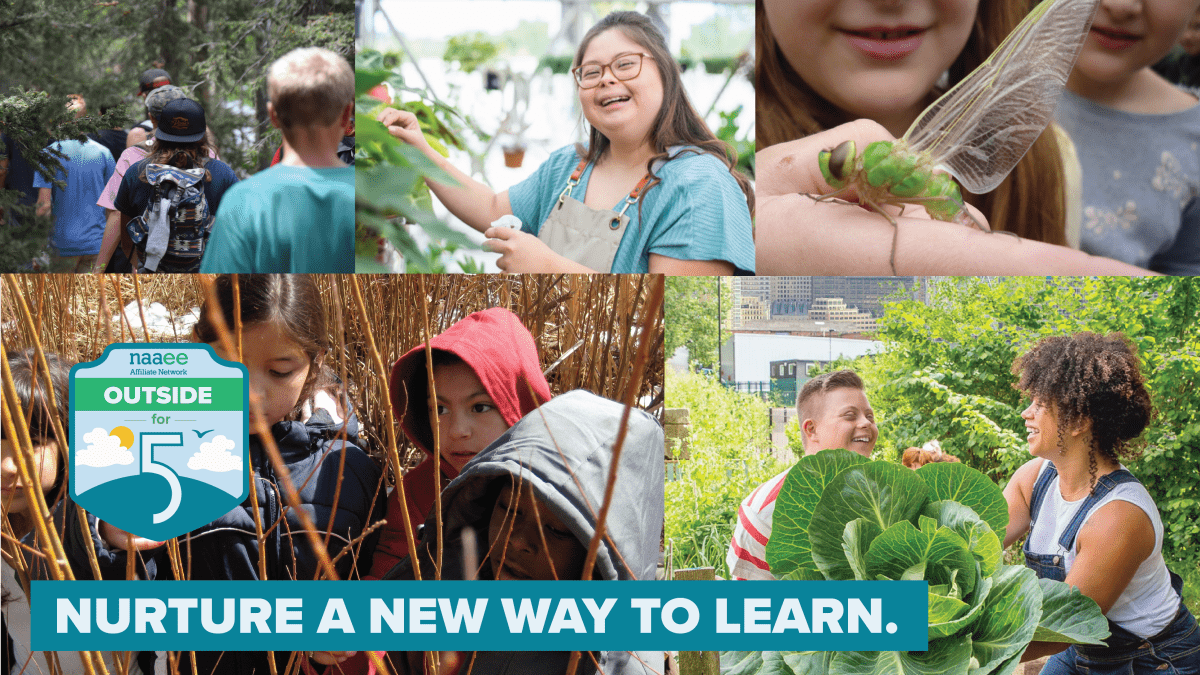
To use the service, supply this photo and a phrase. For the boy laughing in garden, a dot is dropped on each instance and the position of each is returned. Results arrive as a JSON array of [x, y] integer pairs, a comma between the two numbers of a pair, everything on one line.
[[834, 413], [297, 216]]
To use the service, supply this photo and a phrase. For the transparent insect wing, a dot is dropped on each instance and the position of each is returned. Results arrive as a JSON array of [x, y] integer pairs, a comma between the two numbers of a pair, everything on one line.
[[982, 127]]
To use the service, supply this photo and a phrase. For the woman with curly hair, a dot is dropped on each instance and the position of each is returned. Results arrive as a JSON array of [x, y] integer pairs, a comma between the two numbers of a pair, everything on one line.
[[1090, 522]]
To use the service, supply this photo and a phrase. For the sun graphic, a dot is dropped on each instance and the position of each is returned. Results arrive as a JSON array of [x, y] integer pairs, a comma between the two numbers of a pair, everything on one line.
[[124, 434]]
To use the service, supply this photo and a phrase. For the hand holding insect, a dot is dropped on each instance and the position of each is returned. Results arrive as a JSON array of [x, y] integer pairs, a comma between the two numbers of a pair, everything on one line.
[[977, 131], [798, 236]]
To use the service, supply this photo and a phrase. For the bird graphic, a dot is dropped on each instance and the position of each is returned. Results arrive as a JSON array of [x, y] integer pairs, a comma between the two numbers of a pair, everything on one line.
[[200, 434]]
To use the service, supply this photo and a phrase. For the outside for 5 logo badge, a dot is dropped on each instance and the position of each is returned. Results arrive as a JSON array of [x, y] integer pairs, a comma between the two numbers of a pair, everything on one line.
[[159, 437]]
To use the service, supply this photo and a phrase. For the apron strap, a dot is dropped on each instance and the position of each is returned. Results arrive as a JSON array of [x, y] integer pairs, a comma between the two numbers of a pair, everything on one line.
[[630, 199], [572, 182]]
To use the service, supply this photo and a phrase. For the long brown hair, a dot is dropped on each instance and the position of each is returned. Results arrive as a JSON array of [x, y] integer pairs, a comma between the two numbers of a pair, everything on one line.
[[677, 122], [179, 155], [291, 300], [789, 109]]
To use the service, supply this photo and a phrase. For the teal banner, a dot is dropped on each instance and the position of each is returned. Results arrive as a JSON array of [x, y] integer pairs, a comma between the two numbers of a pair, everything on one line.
[[479, 616]]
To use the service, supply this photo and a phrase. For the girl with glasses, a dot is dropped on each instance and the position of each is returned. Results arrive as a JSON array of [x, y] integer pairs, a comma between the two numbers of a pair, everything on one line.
[[652, 191]]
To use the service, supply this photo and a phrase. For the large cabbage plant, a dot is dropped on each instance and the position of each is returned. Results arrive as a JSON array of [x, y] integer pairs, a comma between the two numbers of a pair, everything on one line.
[[839, 516]]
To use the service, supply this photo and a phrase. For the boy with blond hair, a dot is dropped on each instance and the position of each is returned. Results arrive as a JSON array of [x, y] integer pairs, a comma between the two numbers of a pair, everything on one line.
[[834, 413], [297, 216]]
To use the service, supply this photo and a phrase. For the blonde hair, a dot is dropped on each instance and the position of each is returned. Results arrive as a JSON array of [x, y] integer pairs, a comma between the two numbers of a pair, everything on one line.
[[310, 87], [1030, 202]]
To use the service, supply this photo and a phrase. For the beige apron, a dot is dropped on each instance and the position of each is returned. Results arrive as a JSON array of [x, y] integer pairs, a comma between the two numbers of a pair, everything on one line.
[[585, 235]]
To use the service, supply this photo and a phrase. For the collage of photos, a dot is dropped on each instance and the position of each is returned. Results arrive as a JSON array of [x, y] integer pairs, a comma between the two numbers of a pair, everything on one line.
[[817, 291]]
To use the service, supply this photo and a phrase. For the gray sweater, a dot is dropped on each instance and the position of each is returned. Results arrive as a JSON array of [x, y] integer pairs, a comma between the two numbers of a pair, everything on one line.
[[564, 450], [1141, 182]]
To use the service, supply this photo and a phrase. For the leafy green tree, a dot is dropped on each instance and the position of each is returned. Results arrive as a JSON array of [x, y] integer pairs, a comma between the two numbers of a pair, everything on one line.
[[691, 317]]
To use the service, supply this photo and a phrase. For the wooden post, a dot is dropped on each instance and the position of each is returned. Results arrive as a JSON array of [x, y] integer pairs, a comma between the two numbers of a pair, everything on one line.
[[698, 663]]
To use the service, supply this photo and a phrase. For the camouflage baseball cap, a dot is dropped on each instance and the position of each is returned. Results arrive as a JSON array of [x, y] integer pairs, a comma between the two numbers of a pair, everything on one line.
[[159, 98]]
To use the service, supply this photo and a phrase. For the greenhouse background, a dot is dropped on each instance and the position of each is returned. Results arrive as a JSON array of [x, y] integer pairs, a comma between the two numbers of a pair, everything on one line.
[[502, 66]]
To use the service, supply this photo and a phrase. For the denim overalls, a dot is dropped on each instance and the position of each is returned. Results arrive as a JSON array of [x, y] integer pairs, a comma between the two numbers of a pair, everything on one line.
[[1174, 651]]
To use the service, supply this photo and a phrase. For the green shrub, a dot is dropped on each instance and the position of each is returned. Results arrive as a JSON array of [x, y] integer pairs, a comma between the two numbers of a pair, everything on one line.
[[730, 436]]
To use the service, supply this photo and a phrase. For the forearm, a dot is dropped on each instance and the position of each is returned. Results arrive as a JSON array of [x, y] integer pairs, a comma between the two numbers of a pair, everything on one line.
[[795, 234], [473, 202], [1037, 650], [112, 236], [43, 202]]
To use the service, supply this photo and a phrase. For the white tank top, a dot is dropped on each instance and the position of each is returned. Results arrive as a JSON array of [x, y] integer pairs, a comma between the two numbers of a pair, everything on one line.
[[1148, 604]]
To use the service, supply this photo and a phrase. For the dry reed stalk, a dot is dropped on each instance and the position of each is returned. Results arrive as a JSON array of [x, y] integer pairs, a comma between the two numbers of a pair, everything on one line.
[[392, 454], [227, 343], [436, 429]]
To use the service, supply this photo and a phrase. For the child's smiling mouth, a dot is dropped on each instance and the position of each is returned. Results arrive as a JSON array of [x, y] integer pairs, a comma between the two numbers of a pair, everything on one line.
[[1111, 38], [885, 44]]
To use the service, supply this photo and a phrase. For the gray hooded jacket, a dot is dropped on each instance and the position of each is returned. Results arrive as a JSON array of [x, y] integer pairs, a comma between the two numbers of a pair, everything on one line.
[[563, 450]]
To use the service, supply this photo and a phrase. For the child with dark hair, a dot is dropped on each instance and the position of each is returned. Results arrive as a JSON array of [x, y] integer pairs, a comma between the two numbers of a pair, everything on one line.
[[527, 508], [653, 191], [284, 341], [47, 463], [1090, 522], [834, 413], [487, 375]]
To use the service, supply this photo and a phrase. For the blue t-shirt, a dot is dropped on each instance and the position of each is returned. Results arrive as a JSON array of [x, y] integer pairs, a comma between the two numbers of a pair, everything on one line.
[[134, 194], [1141, 184], [78, 221], [697, 212], [285, 219]]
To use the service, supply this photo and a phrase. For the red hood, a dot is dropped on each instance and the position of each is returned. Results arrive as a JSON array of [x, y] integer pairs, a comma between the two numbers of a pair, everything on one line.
[[501, 351]]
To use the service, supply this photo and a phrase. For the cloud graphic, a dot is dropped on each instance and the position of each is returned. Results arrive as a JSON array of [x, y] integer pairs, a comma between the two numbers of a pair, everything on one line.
[[215, 456], [102, 450]]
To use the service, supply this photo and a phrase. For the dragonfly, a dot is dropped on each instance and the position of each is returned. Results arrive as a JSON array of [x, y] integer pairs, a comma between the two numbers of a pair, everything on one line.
[[976, 132]]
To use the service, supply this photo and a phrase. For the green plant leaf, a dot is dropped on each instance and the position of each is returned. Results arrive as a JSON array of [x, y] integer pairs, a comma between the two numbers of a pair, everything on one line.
[[964, 621], [808, 663], [1069, 616], [881, 492], [943, 609], [944, 657], [943, 553], [754, 663], [856, 540], [364, 80], [960, 483], [789, 547], [981, 541], [1010, 616]]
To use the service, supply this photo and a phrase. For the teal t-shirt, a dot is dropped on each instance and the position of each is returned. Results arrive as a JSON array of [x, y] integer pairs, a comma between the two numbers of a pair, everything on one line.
[[285, 219], [697, 212]]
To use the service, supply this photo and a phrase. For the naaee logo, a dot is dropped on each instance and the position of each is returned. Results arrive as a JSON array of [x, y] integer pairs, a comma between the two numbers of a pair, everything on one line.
[[159, 437]]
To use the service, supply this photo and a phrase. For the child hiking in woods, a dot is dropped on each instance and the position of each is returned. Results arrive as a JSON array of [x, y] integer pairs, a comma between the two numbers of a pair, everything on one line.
[[297, 216], [284, 342]]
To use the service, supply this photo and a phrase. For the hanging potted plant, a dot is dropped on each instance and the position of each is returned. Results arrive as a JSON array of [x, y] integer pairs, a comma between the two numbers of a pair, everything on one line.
[[514, 125]]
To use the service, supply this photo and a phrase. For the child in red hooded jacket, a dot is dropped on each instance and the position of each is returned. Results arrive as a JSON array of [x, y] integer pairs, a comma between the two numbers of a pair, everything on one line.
[[488, 376]]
